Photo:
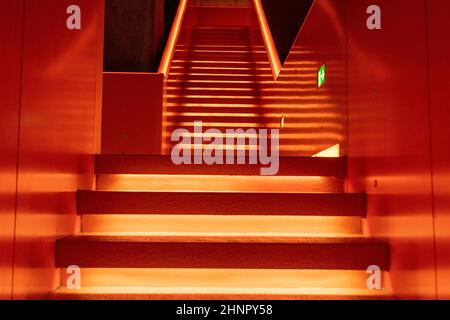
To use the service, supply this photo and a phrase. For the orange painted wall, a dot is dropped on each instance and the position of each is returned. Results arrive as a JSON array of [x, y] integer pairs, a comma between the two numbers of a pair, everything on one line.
[[439, 63], [132, 113], [10, 64], [315, 119], [390, 137], [56, 136]]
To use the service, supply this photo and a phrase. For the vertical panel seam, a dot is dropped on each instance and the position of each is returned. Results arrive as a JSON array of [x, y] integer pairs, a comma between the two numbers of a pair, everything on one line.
[[347, 142], [19, 129], [430, 126]]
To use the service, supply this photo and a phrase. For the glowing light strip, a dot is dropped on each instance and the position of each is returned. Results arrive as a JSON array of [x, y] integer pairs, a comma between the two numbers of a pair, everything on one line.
[[224, 281], [212, 225], [272, 53], [173, 38]]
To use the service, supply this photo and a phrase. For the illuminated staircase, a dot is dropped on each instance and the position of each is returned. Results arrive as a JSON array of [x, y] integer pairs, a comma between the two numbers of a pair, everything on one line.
[[216, 77], [221, 76], [153, 230]]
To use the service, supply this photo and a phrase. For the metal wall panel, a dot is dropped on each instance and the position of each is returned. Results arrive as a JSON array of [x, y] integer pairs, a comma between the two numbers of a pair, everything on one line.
[[389, 136], [56, 145], [439, 55], [10, 64]]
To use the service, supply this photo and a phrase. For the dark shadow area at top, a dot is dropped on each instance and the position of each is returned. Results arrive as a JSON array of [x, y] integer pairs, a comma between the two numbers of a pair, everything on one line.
[[285, 19], [136, 32]]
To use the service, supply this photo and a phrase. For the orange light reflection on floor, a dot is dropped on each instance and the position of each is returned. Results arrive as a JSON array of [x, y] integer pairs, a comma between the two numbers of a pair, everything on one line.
[[208, 183], [212, 225], [220, 281]]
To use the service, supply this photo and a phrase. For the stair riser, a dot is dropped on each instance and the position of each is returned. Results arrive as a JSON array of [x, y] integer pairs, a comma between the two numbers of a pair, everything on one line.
[[226, 70], [308, 105], [222, 77], [295, 167], [234, 83], [220, 203], [218, 57], [183, 63], [286, 132], [119, 254]]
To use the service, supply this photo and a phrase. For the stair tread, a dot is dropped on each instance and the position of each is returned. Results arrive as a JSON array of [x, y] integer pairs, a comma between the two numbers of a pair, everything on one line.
[[225, 239], [202, 293]]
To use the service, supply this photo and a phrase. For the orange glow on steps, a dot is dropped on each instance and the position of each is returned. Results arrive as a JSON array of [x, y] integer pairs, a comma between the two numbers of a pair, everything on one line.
[[210, 183], [231, 282], [210, 225]]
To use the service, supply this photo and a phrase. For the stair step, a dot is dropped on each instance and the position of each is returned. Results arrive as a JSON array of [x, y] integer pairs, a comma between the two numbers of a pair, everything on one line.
[[289, 131], [290, 86], [213, 115], [254, 103], [204, 203], [230, 57], [269, 124], [289, 166], [220, 284], [238, 226], [221, 252], [220, 50], [172, 90], [176, 293], [198, 100], [216, 40], [238, 119], [217, 84], [229, 64], [221, 70], [222, 278], [220, 47], [221, 77]]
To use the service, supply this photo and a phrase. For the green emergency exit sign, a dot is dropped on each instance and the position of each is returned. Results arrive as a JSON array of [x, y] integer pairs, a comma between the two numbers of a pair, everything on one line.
[[321, 76]]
